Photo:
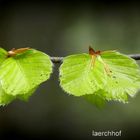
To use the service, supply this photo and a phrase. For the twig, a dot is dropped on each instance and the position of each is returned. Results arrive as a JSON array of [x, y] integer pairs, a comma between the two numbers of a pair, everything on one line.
[[135, 56], [60, 59], [57, 59]]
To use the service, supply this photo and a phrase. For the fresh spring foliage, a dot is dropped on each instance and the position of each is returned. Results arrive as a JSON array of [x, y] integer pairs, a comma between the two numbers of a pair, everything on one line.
[[97, 77], [21, 72], [100, 76]]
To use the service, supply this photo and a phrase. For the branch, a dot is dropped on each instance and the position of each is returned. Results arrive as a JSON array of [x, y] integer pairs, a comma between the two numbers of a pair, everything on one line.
[[135, 56], [60, 59], [57, 59]]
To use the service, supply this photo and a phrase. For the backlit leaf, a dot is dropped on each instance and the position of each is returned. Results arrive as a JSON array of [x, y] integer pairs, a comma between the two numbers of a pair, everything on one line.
[[23, 71], [95, 99], [113, 74], [5, 98]]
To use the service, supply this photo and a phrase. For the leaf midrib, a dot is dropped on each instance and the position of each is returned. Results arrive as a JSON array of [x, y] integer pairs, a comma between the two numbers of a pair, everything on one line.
[[22, 71]]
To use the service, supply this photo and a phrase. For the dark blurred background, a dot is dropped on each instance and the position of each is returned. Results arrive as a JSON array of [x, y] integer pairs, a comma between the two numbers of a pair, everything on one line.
[[60, 29]]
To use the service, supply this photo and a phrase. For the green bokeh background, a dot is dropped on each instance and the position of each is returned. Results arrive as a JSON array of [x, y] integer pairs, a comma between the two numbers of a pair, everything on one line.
[[61, 29]]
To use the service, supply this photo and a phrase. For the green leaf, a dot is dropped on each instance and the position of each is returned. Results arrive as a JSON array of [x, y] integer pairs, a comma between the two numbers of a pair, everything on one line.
[[113, 74], [124, 79], [25, 97], [24, 71], [95, 99], [5, 98], [78, 77], [3, 55]]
